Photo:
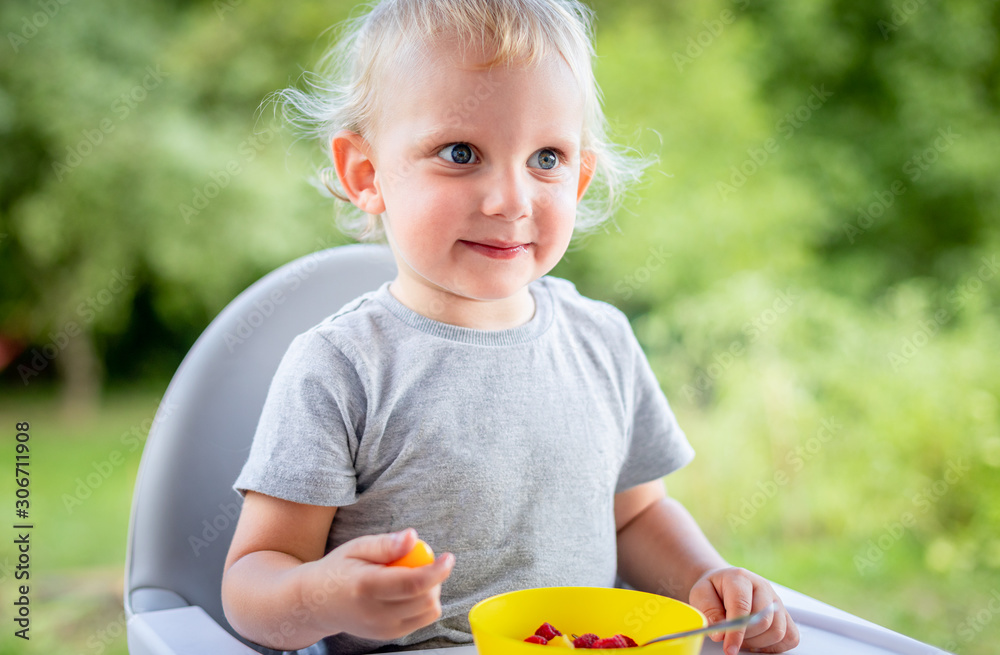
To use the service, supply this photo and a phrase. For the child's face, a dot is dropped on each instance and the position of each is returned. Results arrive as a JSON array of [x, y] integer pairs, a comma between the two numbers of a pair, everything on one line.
[[479, 172]]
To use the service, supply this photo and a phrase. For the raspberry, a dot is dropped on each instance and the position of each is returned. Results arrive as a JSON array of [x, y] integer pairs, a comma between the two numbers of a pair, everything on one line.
[[629, 642], [585, 641], [547, 631], [618, 641], [537, 639]]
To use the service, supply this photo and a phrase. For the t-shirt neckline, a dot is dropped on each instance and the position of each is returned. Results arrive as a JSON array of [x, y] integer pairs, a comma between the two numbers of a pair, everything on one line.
[[511, 336]]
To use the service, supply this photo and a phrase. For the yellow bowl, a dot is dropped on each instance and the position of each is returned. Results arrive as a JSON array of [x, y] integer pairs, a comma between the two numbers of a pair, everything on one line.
[[501, 623]]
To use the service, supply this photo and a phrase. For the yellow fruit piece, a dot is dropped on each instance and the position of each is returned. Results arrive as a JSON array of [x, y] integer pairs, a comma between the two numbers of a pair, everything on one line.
[[561, 641], [420, 555]]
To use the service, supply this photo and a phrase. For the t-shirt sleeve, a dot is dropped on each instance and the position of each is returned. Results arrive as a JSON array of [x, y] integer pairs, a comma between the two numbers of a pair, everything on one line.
[[655, 444], [307, 436]]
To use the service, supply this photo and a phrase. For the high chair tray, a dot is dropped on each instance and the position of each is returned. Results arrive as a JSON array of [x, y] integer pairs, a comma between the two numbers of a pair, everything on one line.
[[825, 630]]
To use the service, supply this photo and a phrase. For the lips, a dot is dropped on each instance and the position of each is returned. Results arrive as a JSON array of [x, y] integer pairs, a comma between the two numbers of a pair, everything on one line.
[[500, 245], [497, 249]]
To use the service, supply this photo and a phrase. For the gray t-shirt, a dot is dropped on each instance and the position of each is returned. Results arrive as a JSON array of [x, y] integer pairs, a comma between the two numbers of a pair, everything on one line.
[[504, 447]]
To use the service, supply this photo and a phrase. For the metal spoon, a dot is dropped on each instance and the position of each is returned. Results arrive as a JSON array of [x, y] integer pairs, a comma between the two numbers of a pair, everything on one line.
[[721, 626]]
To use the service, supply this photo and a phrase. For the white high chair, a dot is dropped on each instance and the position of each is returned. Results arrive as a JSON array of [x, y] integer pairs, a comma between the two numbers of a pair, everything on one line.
[[184, 509]]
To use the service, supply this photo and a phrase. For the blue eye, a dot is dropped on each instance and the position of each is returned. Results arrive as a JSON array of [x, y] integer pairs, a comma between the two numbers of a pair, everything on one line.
[[459, 153], [544, 159]]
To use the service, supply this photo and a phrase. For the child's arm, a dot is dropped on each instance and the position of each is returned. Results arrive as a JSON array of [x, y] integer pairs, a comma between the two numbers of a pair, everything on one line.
[[662, 550], [279, 589]]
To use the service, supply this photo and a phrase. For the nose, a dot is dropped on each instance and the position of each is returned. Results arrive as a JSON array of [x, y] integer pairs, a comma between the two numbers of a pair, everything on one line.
[[507, 195]]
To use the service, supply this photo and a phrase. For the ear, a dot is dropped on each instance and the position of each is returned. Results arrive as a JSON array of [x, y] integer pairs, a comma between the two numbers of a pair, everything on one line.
[[588, 164], [356, 171]]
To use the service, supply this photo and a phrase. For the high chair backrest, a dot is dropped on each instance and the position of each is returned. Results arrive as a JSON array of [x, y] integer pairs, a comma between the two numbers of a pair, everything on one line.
[[184, 509]]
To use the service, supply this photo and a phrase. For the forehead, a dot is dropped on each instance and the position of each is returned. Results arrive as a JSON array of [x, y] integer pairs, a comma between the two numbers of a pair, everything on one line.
[[445, 87]]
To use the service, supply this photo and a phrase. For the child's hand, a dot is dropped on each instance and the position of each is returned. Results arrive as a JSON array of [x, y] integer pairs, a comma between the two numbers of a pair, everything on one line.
[[732, 592], [376, 601]]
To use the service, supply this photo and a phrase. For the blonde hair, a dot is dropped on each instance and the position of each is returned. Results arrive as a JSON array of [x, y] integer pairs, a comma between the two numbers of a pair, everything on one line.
[[345, 93]]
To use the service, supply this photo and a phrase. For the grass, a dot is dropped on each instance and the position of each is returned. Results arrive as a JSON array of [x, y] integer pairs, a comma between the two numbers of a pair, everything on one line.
[[922, 582], [78, 548], [82, 476]]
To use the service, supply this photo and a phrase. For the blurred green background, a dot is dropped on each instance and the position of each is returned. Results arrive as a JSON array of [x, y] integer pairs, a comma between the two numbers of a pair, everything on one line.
[[811, 266]]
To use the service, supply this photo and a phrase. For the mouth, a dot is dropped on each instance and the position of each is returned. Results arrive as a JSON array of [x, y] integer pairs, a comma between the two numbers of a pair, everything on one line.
[[497, 249]]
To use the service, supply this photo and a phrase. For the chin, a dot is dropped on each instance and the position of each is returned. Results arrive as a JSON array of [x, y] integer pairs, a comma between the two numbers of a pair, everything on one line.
[[489, 289]]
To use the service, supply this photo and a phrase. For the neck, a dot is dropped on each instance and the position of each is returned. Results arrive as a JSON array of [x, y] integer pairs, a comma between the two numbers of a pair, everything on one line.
[[447, 307]]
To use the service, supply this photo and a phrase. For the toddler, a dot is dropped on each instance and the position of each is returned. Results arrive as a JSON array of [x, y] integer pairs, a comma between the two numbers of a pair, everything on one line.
[[473, 400]]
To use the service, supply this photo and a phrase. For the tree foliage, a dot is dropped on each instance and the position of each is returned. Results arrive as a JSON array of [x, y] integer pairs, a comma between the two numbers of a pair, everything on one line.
[[818, 239]]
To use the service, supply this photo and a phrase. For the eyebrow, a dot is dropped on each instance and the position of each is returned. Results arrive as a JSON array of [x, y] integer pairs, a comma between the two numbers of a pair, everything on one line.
[[434, 136], [439, 134]]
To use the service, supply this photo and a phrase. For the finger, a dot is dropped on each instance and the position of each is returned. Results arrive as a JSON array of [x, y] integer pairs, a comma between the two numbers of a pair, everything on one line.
[[762, 598], [381, 548], [767, 631], [399, 618], [421, 605], [737, 596], [705, 597], [420, 620], [789, 641], [402, 583]]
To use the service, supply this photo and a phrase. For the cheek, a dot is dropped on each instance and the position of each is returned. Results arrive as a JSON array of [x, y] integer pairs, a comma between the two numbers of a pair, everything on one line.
[[555, 219], [411, 192], [558, 206], [421, 215]]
